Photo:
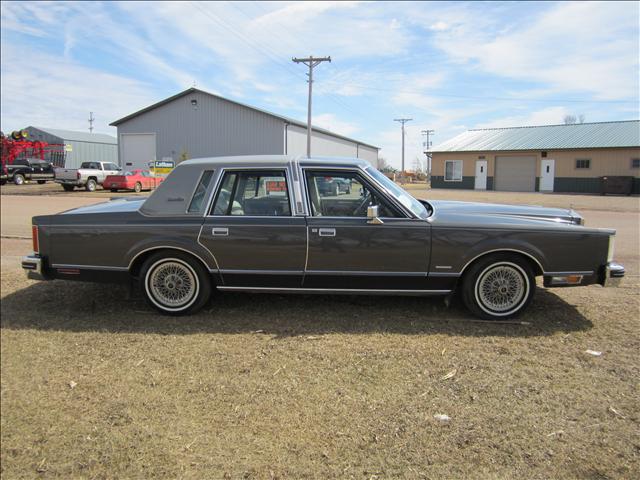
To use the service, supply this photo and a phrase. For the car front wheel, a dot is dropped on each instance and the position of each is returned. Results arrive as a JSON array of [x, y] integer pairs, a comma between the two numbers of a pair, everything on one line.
[[498, 287], [175, 283]]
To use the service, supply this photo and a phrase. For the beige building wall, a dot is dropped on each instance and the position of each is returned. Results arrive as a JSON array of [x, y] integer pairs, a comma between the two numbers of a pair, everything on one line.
[[605, 161]]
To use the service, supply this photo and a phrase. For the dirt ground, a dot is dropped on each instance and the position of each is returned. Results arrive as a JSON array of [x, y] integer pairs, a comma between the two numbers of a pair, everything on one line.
[[96, 385]]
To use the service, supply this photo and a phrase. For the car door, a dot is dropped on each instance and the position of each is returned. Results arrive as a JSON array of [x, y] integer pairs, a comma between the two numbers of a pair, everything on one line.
[[251, 231], [348, 252]]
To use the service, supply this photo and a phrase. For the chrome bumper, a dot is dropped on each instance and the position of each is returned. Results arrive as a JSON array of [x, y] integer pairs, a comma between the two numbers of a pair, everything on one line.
[[33, 266], [613, 274]]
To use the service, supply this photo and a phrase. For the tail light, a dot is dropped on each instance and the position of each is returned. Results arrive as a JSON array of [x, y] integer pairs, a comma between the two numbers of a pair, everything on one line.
[[34, 237], [78, 175]]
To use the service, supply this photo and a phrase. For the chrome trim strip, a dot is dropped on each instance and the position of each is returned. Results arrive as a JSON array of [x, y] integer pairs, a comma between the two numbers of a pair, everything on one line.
[[263, 272], [501, 250], [89, 267], [335, 290], [365, 272], [444, 267], [170, 247], [444, 274], [561, 274]]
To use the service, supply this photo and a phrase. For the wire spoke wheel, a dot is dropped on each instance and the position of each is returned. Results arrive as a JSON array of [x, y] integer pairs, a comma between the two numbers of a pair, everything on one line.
[[502, 288], [172, 283]]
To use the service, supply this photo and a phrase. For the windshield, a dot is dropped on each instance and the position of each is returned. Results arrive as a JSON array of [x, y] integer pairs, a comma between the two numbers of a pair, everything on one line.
[[400, 194]]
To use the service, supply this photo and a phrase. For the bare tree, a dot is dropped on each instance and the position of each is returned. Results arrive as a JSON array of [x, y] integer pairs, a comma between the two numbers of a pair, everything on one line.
[[573, 119], [382, 163]]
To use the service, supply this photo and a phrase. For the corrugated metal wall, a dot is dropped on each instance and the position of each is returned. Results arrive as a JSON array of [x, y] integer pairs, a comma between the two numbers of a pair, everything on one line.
[[80, 151], [324, 145], [215, 128]]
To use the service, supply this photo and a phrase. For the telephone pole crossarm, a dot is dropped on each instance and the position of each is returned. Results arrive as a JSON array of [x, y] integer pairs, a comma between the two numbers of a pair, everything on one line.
[[310, 62]]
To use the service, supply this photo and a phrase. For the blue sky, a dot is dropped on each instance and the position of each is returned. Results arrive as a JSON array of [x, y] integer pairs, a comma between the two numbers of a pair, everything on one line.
[[449, 66]]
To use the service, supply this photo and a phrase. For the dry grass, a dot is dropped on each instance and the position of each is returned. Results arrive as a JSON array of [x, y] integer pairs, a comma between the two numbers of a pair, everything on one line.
[[316, 386]]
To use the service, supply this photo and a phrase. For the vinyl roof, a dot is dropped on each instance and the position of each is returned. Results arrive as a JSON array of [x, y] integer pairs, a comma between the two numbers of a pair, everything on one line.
[[74, 136], [546, 137], [281, 117]]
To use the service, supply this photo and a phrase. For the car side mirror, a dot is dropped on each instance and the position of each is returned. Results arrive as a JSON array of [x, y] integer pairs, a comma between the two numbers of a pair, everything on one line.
[[372, 215]]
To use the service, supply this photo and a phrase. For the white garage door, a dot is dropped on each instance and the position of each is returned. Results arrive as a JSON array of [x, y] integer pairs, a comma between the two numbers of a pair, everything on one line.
[[515, 174], [138, 149]]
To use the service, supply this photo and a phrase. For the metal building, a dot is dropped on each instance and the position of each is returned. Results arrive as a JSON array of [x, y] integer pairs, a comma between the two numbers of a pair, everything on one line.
[[549, 158], [195, 123], [79, 146]]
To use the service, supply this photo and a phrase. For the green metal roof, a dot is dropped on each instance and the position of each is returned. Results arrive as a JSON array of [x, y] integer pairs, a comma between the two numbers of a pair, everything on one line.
[[546, 137]]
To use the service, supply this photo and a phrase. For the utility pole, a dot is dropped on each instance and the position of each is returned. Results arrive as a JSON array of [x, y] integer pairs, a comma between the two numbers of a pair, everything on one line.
[[310, 62], [402, 121], [91, 119], [427, 146]]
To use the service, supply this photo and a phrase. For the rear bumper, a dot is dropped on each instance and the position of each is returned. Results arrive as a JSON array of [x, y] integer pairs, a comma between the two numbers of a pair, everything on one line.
[[75, 183], [34, 267], [612, 274]]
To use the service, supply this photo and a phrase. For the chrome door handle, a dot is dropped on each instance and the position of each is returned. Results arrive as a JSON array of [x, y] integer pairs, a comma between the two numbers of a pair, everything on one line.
[[327, 232], [219, 232]]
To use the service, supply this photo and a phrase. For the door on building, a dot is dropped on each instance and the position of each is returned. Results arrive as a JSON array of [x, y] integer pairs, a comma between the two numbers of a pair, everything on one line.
[[515, 173], [481, 175], [547, 175], [138, 149]]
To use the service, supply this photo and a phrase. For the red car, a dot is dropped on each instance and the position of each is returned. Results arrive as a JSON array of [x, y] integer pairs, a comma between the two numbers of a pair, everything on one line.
[[136, 180]]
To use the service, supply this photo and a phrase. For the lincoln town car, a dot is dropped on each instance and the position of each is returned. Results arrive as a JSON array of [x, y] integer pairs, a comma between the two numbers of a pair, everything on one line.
[[269, 224]]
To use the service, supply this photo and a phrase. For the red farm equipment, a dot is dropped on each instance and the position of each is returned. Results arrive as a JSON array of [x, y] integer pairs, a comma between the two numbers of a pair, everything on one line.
[[18, 146]]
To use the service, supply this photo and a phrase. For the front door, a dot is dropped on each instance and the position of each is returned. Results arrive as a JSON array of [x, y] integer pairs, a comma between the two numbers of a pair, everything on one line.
[[251, 232], [481, 175], [547, 175], [348, 253]]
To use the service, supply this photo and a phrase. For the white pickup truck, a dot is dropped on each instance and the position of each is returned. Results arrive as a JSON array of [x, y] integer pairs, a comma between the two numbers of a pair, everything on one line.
[[89, 175]]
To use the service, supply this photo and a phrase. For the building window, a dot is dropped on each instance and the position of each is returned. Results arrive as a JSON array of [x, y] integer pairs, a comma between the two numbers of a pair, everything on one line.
[[453, 171], [583, 163], [635, 163]]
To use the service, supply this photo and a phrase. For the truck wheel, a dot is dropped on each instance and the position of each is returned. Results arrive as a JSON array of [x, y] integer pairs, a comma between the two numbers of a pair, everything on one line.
[[91, 185], [138, 187], [175, 283], [41, 182], [498, 286], [68, 188], [18, 179]]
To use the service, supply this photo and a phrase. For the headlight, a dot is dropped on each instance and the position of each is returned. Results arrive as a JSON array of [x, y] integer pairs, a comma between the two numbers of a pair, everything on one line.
[[611, 248]]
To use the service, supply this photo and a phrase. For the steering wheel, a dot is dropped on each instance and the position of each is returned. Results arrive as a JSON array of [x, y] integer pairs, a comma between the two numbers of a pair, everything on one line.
[[361, 209]]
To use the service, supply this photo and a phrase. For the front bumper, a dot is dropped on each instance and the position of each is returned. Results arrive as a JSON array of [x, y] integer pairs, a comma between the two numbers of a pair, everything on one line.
[[612, 275], [34, 266]]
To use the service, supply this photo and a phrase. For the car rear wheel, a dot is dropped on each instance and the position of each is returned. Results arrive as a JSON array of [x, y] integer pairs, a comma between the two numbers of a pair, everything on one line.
[[138, 187], [91, 185], [68, 188], [175, 283], [18, 179], [498, 287]]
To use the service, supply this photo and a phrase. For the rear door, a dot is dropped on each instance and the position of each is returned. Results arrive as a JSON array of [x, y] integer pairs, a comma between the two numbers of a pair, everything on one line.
[[346, 252], [251, 231]]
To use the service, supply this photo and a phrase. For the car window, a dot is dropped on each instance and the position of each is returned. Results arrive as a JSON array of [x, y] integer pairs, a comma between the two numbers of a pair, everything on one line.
[[201, 190], [111, 166], [85, 165], [343, 194], [253, 193]]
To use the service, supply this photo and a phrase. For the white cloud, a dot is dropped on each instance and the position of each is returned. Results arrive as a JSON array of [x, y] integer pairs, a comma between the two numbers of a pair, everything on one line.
[[439, 26], [572, 47], [546, 116], [55, 92]]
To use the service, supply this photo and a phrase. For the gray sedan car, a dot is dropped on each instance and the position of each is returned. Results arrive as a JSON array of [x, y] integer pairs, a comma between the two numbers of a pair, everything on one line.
[[266, 224]]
